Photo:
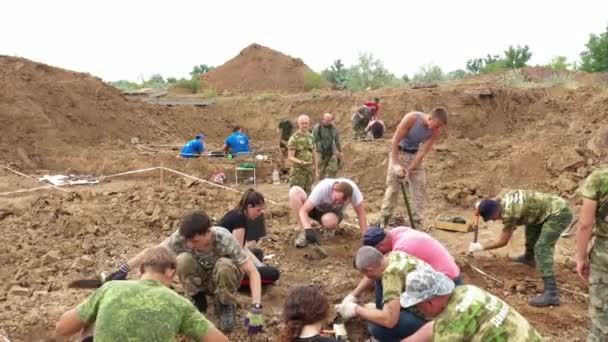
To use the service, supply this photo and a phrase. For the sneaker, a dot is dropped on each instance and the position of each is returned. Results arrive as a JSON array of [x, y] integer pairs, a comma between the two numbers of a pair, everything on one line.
[[301, 240]]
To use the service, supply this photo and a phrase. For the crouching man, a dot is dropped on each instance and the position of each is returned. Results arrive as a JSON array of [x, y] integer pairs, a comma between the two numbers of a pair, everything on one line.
[[140, 310]]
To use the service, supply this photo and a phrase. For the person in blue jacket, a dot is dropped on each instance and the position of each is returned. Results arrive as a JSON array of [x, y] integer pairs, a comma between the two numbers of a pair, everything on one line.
[[237, 142], [194, 147]]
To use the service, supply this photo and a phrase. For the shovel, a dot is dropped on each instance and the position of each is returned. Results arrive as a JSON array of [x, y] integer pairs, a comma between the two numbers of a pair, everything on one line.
[[407, 205]]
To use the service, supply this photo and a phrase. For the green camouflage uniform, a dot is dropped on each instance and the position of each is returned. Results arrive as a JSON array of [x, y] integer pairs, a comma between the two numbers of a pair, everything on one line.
[[545, 217], [475, 315], [141, 310], [393, 277], [302, 175], [327, 142], [215, 272], [595, 188], [360, 119]]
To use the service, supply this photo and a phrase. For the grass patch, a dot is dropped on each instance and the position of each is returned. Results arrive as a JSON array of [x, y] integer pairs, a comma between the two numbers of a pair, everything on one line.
[[313, 81]]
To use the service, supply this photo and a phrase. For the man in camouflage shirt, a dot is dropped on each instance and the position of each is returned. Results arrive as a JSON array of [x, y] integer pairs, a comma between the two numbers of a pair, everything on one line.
[[464, 313], [327, 145], [301, 154], [388, 321], [210, 262], [592, 257], [285, 129], [140, 310], [545, 217]]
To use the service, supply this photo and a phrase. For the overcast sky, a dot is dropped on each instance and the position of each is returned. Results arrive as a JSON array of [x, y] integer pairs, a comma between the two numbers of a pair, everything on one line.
[[127, 39]]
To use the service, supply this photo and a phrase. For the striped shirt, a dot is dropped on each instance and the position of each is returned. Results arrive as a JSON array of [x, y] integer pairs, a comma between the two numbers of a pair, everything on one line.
[[417, 134]]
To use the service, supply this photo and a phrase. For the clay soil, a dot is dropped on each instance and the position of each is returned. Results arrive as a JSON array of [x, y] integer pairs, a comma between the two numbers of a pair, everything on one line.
[[546, 139]]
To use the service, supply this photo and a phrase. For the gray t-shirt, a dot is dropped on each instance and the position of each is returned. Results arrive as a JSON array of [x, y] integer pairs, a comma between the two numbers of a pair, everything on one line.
[[321, 194]]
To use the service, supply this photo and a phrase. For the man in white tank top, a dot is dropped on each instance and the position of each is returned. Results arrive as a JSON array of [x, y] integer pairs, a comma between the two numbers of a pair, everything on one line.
[[412, 141]]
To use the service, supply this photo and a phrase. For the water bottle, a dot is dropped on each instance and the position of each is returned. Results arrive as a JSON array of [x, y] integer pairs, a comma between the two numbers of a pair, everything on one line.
[[275, 177]]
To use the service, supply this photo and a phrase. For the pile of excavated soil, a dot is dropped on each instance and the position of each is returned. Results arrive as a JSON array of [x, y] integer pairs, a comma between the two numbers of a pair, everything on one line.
[[258, 68]]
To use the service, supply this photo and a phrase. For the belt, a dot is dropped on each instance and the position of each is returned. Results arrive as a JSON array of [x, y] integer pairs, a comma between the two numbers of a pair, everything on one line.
[[408, 150]]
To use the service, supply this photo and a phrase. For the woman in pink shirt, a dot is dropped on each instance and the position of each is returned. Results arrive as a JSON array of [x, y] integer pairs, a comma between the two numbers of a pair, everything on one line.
[[416, 243]]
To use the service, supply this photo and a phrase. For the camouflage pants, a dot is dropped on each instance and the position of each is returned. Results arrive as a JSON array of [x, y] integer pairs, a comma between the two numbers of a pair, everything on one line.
[[328, 166], [358, 132], [222, 281], [415, 188], [598, 290], [302, 177], [542, 239]]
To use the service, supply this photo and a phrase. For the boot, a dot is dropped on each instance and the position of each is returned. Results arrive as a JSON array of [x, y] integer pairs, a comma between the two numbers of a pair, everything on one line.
[[200, 301], [301, 239], [550, 294], [227, 317], [526, 258]]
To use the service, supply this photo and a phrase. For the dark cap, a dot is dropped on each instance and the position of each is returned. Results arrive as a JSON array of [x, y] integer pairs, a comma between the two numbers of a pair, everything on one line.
[[487, 208], [373, 236]]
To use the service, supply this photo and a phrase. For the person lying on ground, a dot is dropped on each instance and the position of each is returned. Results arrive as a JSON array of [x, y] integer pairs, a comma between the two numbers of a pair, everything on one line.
[[237, 142], [463, 313], [140, 310], [210, 262], [375, 129], [305, 312], [415, 243], [239, 221], [545, 217], [388, 321], [325, 205], [194, 147]]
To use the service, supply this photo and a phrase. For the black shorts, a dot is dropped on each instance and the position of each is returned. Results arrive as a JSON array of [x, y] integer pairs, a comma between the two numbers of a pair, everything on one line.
[[317, 213]]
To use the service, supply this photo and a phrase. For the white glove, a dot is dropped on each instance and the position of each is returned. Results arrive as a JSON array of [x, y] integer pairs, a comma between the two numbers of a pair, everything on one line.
[[346, 309], [475, 247], [398, 171], [349, 299]]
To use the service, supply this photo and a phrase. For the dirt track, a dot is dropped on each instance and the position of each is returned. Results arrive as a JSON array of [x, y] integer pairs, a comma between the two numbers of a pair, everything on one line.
[[546, 139]]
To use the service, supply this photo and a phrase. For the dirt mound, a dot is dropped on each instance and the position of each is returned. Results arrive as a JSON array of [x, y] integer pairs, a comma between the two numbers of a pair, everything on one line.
[[258, 68]]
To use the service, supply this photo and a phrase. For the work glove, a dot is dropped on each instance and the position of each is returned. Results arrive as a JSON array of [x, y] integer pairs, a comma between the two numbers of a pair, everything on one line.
[[311, 235], [121, 274], [254, 322], [346, 309], [349, 299], [399, 171], [475, 247]]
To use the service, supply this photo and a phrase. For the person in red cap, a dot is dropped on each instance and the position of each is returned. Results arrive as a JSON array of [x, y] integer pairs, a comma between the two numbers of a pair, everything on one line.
[[545, 217]]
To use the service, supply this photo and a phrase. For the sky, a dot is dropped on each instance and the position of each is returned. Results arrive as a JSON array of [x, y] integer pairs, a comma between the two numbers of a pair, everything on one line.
[[131, 39]]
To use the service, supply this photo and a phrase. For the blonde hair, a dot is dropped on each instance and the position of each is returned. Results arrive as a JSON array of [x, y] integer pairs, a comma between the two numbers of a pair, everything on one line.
[[157, 259]]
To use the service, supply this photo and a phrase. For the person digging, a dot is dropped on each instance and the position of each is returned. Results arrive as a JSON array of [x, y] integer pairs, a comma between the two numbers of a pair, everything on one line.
[[545, 217], [210, 262]]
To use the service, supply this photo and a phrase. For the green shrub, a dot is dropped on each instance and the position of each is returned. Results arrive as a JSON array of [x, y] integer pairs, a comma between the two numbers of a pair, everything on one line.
[[595, 58], [209, 93], [313, 81], [561, 79], [516, 79], [428, 73], [193, 84]]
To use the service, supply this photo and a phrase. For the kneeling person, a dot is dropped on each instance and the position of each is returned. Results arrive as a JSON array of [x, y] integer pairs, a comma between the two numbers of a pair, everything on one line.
[[464, 313], [140, 310]]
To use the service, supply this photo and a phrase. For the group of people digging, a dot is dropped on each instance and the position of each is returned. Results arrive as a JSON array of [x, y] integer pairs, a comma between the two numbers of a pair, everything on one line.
[[419, 293]]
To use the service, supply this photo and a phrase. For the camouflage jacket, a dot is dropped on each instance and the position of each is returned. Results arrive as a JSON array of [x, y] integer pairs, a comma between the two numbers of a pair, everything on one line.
[[522, 207], [595, 188], [223, 245], [286, 128], [303, 144], [327, 139], [393, 277], [475, 315], [141, 310]]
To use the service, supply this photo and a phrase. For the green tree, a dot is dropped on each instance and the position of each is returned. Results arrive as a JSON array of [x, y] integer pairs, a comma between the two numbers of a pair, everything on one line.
[[457, 74], [313, 81], [429, 73], [201, 69], [493, 67], [336, 74], [559, 63], [476, 65], [405, 78], [171, 80], [595, 58], [155, 81], [368, 73], [517, 57]]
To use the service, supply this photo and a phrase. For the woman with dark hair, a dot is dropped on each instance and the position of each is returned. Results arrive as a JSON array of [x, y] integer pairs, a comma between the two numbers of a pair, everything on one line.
[[243, 222], [304, 313]]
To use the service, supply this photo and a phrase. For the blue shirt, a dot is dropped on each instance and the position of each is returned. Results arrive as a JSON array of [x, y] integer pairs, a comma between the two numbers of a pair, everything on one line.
[[192, 149], [238, 142]]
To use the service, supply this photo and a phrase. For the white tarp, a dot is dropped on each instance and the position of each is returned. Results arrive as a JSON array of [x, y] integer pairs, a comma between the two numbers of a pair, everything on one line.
[[68, 180]]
